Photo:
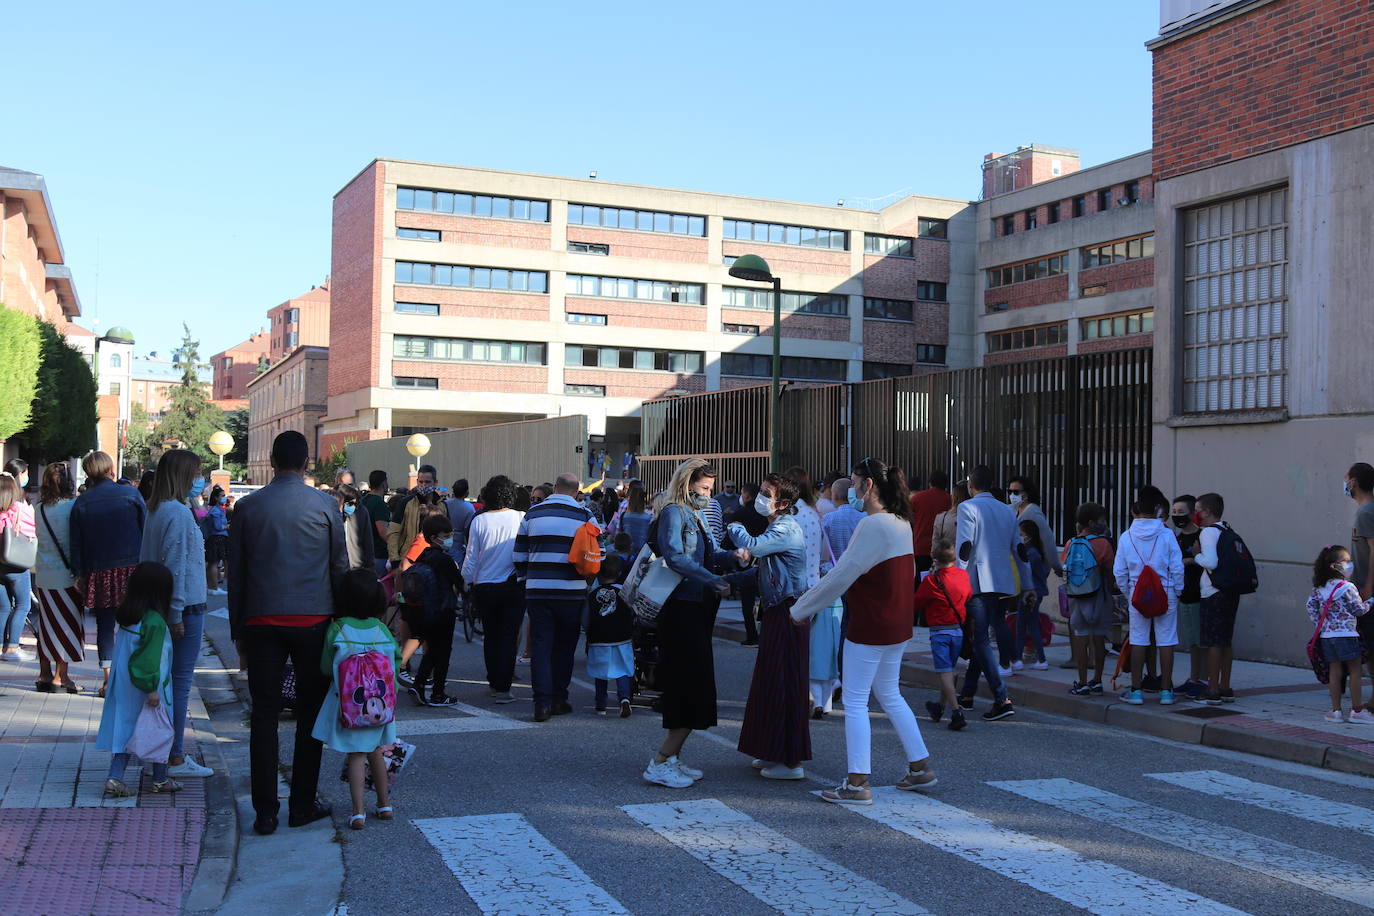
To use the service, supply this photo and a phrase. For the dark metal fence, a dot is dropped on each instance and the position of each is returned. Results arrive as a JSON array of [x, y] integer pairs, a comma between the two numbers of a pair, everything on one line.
[[1078, 425]]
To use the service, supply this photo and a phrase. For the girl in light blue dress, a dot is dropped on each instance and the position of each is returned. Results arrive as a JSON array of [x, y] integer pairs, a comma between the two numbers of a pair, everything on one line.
[[140, 673], [357, 627]]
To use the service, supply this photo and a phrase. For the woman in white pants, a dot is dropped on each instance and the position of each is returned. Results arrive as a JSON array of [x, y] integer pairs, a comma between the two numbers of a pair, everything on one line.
[[875, 575]]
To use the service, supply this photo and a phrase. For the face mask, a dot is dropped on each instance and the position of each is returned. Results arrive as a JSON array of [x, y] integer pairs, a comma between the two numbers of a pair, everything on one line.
[[425, 489], [446, 543], [23, 481], [1197, 519], [1347, 569], [1016, 499], [763, 505], [855, 502], [697, 500], [197, 485], [1180, 521], [350, 509]]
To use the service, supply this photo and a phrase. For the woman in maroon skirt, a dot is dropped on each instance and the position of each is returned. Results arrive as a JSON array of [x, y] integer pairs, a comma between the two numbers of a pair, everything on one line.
[[58, 624], [776, 730]]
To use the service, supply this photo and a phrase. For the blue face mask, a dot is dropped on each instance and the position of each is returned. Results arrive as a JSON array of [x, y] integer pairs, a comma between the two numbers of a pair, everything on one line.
[[446, 543], [855, 502], [350, 509], [763, 505], [197, 486]]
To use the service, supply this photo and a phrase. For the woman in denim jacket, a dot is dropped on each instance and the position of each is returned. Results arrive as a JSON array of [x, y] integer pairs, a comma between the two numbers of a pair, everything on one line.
[[686, 667], [776, 730]]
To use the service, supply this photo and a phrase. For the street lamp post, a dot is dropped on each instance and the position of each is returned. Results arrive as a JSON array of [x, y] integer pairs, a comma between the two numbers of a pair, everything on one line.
[[418, 446], [753, 268], [221, 443]]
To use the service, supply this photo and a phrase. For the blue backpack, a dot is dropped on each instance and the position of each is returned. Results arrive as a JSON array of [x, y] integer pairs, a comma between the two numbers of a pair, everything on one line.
[[1082, 575]]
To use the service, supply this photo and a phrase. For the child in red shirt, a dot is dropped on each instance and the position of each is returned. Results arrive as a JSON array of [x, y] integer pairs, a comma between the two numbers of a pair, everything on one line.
[[943, 595]]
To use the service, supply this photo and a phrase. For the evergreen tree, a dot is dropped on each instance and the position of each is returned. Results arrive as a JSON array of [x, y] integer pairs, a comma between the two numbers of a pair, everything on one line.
[[236, 425], [20, 349], [64, 407], [138, 453], [191, 419]]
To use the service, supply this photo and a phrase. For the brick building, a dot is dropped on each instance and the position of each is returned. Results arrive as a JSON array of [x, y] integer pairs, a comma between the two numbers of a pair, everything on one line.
[[234, 368], [299, 322], [464, 296], [289, 395], [1263, 135], [34, 278], [1066, 263], [153, 378]]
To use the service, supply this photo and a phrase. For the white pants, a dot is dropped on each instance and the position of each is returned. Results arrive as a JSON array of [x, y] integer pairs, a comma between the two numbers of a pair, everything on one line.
[[875, 669], [1165, 627], [823, 694]]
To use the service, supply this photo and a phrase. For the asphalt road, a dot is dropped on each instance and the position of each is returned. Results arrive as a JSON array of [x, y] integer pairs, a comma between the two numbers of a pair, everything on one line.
[[1034, 814]]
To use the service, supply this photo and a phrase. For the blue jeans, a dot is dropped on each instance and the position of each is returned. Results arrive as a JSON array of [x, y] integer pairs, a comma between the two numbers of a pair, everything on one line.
[[555, 625], [1007, 650], [622, 690], [19, 599], [984, 660], [185, 651], [1028, 624], [118, 763], [104, 634]]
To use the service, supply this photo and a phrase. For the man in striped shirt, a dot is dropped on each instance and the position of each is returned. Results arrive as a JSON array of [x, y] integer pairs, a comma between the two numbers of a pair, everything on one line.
[[554, 592]]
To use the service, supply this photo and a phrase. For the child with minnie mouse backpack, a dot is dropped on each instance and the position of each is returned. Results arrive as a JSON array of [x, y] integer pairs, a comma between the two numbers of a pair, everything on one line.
[[1334, 649], [358, 715]]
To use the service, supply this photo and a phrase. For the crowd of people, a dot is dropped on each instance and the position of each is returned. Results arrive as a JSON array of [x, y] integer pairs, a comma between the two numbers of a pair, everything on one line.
[[336, 589]]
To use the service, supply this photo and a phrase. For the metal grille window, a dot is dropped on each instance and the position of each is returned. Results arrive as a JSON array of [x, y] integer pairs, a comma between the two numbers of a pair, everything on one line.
[[890, 309], [792, 367], [1235, 304], [891, 245], [626, 288], [1116, 252], [534, 281], [741, 297], [1025, 338], [640, 220], [585, 391], [1119, 325], [1031, 270], [588, 248], [590, 357], [472, 204], [468, 351], [749, 330], [412, 381], [779, 234]]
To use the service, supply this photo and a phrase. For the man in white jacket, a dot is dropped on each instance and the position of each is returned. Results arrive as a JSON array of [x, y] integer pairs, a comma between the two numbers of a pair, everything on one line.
[[1148, 543]]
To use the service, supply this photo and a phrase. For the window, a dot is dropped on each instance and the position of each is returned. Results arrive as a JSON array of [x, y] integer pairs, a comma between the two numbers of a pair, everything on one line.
[[293, 339], [750, 330], [588, 248], [1030, 218], [1008, 224], [885, 370], [429, 235], [1133, 191], [226, 365], [412, 381], [888, 309], [585, 391], [892, 245], [740, 297], [778, 234], [1119, 325], [793, 367], [1032, 270], [1104, 199], [292, 316], [930, 228], [1025, 338], [626, 288], [640, 220], [417, 308], [116, 361], [1235, 304], [585, 318], [930, 291], [1116, 252], [114, 388], [461, 204], [534, 281], [1080, 206], [1052, 213], [930, 353], [468, 351], [683, 363], [998, 307]]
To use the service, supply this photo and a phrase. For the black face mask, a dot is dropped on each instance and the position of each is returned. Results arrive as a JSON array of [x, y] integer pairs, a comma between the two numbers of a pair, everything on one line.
[[1180, 521]]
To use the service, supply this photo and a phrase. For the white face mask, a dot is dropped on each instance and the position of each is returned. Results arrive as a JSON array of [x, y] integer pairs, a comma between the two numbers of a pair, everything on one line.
[[855, 500], [763, 505], [1016, 499], [1347, 569]]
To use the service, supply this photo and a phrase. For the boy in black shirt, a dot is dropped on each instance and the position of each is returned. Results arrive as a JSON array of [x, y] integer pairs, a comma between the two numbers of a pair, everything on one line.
[[610, 627]]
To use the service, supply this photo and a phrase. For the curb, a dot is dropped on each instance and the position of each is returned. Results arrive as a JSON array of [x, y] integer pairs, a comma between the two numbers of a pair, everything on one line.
[[220, 840], [1157, 723]]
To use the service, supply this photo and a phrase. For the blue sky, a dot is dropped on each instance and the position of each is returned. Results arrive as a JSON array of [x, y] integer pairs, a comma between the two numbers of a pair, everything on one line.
[[191, 153]]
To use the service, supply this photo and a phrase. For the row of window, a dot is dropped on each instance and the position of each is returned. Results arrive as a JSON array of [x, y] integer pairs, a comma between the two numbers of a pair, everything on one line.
[[1116, 252], [1119, 325], [468, 351], [1026, 338], [1078, 207], [1032, 270], [740, 297], [427, 235], [472, 204], [589, 248], [681, 362], [626, 288], [780, 234], [534, 281], [792, 367], [640, 220]]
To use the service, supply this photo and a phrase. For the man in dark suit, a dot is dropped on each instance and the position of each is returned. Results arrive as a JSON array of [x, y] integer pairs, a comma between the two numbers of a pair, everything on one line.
[[286, 555]]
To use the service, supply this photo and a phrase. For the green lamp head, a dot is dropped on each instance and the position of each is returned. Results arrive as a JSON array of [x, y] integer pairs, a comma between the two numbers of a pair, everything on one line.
[[751, 267]]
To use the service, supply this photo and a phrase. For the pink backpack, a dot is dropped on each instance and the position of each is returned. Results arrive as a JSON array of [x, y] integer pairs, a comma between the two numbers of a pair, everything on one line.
[[367, 690]]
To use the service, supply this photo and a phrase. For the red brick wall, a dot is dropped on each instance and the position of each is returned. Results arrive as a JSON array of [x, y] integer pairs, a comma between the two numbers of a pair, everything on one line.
[[895, 341], [477, 303], [655, 246], [1104, 344], [23, 276], [470, 230], [628, 313], [626, 383], [1277, 75], [1032, 292], [810, 327], [331, 441], [895, 278], [793, 259], [1042, 211], [1118, 277], [356, 287], [477, 376], [1021, 356]]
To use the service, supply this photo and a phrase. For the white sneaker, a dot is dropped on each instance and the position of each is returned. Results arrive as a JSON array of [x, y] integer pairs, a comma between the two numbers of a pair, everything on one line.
[[1006, 672], [1364, 717], [691, 773], [502, 698], [758, 764], [189, 767], [1017, 665], [666, 774], [1334, 716], [218, 591], [1040, 666], [19, 655], [781, 771]]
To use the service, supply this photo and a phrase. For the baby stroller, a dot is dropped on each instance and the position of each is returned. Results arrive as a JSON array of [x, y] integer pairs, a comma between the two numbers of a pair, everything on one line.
[[645, 645]]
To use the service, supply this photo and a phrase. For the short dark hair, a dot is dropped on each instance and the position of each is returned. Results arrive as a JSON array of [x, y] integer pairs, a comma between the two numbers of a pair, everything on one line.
[[1030, 486], [942, 553], [499, 493], [610, 568], [377, 480], [435, 523], [427, 469], [1153, 497], [939, 479], [750, 490], [1089, 513], [623, 540], [981, 479], [359, 595], [786, 487], [1187, 499], [460, 488], [290, 451], [1363, 475], [1212, 504]]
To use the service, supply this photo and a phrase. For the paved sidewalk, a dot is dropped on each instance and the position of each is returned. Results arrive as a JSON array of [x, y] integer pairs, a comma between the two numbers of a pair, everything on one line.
[[1278, 709], [64, 849]]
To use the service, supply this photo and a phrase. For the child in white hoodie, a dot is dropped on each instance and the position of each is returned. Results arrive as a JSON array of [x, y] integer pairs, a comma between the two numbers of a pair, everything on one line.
[[1148, 543]]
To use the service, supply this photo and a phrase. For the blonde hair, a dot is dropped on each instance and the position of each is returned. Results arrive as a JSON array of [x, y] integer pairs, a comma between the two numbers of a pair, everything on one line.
[[680, 487], [98, 464]]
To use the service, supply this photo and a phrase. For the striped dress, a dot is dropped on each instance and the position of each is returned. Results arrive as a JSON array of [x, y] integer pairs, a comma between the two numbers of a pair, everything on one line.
[[58, 624]]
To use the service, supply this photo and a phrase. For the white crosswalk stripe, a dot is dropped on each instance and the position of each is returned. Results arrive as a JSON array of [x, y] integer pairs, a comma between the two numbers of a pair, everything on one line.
[[1271, 798], [1246, 850], [774, 869], [508, 867], [476, 720], [1095, 886]]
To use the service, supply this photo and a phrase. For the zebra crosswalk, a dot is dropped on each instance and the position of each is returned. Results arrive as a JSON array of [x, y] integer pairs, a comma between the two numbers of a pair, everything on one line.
[[506, 865]]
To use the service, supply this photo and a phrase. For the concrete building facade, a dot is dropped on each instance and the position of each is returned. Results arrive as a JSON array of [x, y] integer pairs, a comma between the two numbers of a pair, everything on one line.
[[299, 322], [465, 296], [232, 370], [291, 394], [1264, 131]]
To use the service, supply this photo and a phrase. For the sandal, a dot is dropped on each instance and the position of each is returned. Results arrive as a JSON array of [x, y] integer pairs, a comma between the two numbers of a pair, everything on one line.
[[386, 813], [115, 788], [101, 692], [70, 686], [167, 786], [357, 821], [43, 686]]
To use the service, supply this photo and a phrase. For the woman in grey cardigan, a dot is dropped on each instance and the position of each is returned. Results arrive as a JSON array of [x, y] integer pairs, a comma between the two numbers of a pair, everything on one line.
[[172, 537]]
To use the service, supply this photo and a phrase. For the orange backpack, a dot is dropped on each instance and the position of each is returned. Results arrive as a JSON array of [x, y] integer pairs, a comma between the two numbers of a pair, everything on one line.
[[586, 554]]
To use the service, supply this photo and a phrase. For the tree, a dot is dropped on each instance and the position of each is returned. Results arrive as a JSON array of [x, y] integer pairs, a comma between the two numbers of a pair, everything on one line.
[[64, 411], [138, 452], [327, 468], [20, 350], [190, 418], [236, 425]]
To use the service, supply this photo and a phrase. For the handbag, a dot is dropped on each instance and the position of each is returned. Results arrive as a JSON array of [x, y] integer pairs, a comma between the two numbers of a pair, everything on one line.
[[649, 585], [151, 741], [43, 511], [1315, 658], [17, 552]]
